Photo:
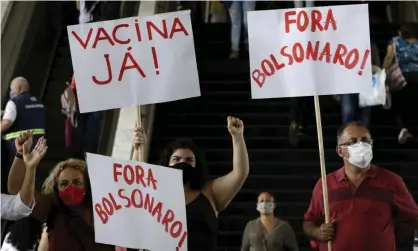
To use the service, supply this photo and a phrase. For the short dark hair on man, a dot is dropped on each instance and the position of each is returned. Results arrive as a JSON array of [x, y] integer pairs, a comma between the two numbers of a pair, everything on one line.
[[351, 123]]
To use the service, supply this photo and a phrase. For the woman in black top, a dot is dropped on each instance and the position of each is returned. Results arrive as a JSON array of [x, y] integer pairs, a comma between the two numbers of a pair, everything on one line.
[[204, 198]]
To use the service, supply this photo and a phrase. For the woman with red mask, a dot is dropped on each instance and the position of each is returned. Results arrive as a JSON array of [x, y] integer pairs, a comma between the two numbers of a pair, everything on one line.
[[65, 204]]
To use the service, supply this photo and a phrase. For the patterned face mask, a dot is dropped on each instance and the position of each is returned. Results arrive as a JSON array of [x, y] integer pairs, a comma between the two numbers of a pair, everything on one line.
[[265, 207]]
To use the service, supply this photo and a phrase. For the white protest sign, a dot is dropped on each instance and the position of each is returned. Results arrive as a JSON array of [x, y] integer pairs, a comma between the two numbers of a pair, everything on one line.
[[137, 205], [134, 61], [309, 51]]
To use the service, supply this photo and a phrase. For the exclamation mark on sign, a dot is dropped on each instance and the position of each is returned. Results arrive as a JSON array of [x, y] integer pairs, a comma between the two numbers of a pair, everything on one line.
[[363, 63], [183, 237], [154, 55]]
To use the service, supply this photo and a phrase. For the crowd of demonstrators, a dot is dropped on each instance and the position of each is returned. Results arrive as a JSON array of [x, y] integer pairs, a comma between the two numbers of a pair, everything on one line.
[[23, 112], [268, 232], [380, 198], [65, 203], [403, 50], [360, 193], [62, 216]]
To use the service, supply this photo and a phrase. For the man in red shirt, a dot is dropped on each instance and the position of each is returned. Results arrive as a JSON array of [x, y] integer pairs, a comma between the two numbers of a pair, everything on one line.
[[363, 199]]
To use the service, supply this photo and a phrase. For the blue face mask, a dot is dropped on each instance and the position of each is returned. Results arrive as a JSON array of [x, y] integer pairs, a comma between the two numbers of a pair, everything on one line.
[[11, 94]]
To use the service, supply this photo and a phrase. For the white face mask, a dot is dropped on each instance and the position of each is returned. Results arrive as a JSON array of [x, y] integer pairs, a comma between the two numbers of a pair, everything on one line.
[[360, 154], [265, 207]]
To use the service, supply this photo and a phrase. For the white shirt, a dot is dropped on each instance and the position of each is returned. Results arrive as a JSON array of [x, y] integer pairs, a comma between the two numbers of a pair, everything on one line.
[[10, 112], [13, 208], [9, 247]]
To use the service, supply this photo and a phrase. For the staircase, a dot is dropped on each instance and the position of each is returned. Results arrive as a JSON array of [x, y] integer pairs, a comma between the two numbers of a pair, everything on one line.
[[289, 173]]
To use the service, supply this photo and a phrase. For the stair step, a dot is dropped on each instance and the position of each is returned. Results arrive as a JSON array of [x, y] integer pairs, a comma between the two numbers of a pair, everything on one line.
[[273, 155], [263, 118], [291, 209], [256, 130], [284, 171], [275, 141], [238, 222]]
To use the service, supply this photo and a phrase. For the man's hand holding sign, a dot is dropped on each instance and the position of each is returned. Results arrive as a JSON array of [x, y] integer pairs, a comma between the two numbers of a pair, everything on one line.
[[314, 51]]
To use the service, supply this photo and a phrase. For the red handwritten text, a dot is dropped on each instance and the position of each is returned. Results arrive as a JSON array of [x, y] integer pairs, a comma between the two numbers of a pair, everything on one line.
[[139, 199], [298, 52], [315, 20], [112, 37]]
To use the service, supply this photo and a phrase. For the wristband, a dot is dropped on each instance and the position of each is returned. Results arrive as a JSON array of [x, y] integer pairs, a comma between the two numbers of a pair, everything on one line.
[[19, 156]]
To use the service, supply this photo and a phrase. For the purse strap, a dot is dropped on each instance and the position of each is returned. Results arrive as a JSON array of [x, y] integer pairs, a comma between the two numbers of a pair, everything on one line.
[[395, 57]]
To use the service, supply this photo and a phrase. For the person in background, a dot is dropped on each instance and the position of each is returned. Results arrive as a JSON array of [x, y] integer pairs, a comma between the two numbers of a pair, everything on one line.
[[299, 110], [23, 235], [89, 11], [23, 112], [364, 199], [17, 206], [406, 44], [218, 13], [301, 4], [238, 13], [65, 205], [84, 131], [69, 109], [350, 102], [268, 233], [205, 199]]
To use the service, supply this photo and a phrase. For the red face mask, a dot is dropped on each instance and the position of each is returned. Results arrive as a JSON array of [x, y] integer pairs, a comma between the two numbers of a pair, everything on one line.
[[72, 195]]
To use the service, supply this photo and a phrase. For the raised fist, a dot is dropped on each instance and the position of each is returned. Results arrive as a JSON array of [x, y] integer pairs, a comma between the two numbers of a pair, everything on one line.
[[235, 126], [25, 137]]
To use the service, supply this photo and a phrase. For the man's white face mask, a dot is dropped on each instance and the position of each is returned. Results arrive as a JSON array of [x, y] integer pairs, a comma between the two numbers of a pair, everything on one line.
[[360, 154]]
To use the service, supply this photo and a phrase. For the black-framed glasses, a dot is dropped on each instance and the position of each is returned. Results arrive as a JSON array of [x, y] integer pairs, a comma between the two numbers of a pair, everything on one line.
[[351, 143]]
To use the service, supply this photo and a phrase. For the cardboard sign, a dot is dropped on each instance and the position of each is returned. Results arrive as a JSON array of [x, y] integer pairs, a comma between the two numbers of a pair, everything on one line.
[[134, 61], [309, 51], [137, 205]]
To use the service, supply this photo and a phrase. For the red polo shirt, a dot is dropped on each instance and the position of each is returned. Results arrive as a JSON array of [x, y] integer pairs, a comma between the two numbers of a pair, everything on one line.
[[363, 216]]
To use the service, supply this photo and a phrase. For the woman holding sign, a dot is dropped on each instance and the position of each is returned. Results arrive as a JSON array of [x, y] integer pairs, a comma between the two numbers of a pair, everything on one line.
[[65, 205], [204, 198]]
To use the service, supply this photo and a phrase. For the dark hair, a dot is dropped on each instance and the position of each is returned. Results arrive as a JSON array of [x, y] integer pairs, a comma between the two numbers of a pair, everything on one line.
[[408, 31], [351, 123], [25, 233], [269, 193], [201, 170], [272, 196]]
